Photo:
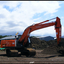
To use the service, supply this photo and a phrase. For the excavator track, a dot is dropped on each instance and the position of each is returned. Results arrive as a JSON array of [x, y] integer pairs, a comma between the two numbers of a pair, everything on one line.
[[28, 52], [32, 52], [11, 53]]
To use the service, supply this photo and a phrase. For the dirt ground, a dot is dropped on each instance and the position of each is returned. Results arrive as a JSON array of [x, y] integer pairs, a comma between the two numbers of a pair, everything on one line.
[[38, 58]]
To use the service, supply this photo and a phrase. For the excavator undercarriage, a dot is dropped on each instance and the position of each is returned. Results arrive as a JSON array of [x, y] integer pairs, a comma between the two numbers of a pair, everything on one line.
[[28, 52]]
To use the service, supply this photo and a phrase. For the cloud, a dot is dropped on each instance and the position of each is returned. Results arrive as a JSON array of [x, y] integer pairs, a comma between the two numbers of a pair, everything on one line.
[[62, 31], [45, 32], [11, 24], [2, 16], [22, 14], [11, 4]]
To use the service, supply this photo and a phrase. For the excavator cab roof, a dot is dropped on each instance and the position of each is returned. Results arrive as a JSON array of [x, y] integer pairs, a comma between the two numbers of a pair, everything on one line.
[[10, 37]]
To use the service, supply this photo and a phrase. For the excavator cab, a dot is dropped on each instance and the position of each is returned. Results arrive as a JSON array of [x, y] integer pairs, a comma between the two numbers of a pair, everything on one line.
[[18, 44]]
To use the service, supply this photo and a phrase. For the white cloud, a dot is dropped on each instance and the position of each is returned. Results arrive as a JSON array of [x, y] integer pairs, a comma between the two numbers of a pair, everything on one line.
[[44, 31], [22, 13], [62, 31]]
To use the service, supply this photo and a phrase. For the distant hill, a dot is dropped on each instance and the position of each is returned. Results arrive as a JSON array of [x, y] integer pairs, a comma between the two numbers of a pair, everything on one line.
[[62, 37], [47, 38]]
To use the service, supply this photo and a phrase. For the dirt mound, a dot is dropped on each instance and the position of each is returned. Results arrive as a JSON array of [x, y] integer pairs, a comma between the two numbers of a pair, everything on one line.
[[54, 48], [48, 47], [38, 44]]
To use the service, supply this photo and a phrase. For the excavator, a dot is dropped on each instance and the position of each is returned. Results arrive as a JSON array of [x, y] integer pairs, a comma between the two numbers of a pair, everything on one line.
[[21, 44]]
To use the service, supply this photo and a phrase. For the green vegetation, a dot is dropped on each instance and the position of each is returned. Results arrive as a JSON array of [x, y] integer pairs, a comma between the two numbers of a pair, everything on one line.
[[4, 36], [33, 36]]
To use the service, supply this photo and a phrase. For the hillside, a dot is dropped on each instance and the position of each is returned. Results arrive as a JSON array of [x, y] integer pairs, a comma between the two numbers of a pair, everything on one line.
[[47, 38]]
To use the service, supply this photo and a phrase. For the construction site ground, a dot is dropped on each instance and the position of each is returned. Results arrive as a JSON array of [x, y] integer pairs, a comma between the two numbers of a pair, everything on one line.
[[38, 58]]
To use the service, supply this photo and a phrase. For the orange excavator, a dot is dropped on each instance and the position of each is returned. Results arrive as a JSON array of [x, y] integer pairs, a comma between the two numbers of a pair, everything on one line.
[[21, 43]]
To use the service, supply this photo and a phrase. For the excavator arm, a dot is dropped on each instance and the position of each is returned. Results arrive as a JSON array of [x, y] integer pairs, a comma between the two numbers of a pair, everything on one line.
[[28, 30]]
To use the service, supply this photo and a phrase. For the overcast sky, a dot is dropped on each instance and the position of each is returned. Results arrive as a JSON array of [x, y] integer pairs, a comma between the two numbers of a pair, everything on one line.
[[16, 16]]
